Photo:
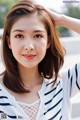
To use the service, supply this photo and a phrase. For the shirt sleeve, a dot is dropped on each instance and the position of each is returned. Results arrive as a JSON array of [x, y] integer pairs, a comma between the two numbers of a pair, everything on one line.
[[71, 80]]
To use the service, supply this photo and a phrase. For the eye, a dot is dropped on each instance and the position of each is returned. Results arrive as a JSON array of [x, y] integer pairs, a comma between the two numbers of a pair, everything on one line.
[[38, 36], [19, 36]]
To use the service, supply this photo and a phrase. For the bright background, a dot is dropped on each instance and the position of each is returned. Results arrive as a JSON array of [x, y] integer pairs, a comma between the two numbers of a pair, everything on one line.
[[55, 4]]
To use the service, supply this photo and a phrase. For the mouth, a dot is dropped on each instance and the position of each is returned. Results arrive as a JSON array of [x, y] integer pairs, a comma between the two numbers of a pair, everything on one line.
[[29, 56]]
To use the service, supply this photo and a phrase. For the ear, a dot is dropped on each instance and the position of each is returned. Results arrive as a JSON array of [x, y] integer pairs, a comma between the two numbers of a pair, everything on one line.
[[8, 41], [48, 43]]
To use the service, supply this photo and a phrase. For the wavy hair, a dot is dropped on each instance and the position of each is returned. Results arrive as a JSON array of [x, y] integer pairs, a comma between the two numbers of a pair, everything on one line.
[[49, 67]]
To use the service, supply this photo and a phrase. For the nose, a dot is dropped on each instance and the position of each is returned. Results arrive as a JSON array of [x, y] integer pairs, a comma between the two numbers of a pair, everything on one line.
[[29, 46]]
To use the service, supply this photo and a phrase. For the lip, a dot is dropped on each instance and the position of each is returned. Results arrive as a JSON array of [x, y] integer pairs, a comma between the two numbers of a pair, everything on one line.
[[29, 56]]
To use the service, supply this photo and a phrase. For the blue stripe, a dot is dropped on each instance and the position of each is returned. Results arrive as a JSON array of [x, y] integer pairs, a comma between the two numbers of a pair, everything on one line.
[[1, 111], [57, 92], [48, 102], [77, 85], [3, 97], [60, 118], [55, 115], [50, 82], [76, 71], [52, 89], [54, 106], [13, 117], [54, 96], [5, 104], [68, 73], [71, 84]]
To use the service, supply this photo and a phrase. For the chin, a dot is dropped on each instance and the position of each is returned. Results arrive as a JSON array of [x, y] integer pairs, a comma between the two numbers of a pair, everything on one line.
[[29, 66]]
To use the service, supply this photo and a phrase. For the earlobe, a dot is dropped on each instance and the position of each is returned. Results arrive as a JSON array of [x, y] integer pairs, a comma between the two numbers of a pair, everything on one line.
[[8, 41]]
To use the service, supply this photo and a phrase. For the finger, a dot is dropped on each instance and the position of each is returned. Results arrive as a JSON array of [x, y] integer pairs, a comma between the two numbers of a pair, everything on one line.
[[39, 6]]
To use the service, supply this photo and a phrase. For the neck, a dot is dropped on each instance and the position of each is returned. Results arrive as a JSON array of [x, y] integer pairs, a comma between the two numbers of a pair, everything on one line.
[[30, 77]]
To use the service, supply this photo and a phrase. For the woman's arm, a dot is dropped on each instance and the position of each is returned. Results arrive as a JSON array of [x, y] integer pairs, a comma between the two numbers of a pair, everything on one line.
[[63, 20], [70, 23]]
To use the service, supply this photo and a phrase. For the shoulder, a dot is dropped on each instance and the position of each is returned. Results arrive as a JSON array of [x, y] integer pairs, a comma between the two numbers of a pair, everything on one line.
[[72, 70]]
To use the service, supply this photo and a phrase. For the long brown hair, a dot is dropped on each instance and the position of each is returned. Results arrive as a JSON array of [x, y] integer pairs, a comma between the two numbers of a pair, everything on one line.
[[53, 59]]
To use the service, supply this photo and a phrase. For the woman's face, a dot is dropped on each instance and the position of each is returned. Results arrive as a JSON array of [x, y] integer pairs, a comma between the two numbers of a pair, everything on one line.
[[28, 41]]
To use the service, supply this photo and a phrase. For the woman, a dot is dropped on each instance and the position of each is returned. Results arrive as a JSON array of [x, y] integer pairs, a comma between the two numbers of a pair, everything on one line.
[[31, 87]]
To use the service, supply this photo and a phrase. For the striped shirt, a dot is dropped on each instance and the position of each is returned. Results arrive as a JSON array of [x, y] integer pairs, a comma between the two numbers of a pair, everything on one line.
[[55, 101]]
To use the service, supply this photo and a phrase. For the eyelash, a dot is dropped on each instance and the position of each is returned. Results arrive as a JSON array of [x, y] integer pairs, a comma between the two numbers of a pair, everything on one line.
[[19, 36], [37, 36]]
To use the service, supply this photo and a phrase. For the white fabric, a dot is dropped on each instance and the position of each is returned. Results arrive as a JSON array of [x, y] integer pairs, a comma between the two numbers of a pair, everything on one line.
[[30, 109]]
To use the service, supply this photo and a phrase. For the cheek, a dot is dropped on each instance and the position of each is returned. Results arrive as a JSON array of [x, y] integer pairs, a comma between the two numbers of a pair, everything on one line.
[[15, 47], [44, 44], [15, 44], [42, 47]]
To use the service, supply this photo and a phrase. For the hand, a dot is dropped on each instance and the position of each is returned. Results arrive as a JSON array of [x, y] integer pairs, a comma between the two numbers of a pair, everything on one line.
[[54, 16], [62, 20]]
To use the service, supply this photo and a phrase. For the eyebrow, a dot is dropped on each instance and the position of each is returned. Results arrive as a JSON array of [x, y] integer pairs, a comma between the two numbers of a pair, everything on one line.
[[17, 30]]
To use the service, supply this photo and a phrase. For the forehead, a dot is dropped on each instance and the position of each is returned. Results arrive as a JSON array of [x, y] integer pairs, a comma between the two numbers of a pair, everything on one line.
[[29, 22]]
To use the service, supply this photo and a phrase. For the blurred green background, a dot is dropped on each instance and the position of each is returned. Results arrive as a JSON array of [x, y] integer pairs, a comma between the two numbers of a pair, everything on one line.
[[68, 9], [5, 5]]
